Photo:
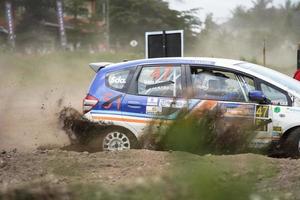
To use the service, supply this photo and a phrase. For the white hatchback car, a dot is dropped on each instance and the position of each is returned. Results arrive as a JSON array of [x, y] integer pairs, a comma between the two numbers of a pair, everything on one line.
[[129, 95]]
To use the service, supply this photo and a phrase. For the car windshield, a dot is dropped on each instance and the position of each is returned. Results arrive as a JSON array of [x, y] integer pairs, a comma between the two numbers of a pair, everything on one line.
[[282, 79]]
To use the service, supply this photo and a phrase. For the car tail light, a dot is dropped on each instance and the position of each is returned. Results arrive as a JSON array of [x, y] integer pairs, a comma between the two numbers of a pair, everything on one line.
[[89, 102]]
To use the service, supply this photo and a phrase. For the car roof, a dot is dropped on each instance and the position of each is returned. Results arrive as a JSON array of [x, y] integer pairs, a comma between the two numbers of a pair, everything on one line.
[[178, 60]]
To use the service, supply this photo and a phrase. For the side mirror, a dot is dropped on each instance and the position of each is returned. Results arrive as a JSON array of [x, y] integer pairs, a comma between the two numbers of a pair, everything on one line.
[[259, 97]]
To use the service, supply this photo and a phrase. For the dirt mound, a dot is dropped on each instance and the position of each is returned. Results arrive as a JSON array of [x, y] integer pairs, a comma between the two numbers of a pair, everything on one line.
[[65, 167]]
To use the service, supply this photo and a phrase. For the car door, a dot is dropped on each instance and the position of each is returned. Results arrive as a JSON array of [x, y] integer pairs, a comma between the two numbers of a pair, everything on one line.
[[263, 116], [225, 90], [155, 93], [279, 108]]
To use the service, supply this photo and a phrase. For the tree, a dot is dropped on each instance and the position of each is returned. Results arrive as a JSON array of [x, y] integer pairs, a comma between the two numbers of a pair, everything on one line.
[[75, 8], [130, 19], [209, 23], [30, 30], [37, 10], [243, 34], [261, 4]]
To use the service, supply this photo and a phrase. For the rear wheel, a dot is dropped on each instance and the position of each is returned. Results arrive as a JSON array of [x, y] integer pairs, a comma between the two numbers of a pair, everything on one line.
[[291, 146], [114, 139]]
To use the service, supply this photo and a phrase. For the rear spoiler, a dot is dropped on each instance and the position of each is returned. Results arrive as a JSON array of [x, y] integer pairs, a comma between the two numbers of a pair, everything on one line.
[[98, 66]]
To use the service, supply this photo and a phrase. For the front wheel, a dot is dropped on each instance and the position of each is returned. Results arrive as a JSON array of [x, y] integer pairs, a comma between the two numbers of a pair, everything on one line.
[[291, 146]]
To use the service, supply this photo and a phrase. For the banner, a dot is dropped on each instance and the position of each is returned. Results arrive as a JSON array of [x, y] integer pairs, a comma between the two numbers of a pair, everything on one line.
[[10, 23], [60, 17]]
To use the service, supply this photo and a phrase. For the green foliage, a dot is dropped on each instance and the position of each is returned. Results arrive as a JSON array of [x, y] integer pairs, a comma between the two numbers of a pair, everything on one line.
[[75, 8], [204, 134], [37, 9], [243, 34], [2, 7], [138, 17], [128, 20], [30, 29]]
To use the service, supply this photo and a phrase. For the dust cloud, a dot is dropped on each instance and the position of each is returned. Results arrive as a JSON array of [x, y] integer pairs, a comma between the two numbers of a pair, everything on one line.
[[33, 90]]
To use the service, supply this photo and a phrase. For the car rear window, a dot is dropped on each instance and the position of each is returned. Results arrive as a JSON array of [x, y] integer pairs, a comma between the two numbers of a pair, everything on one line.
[[117, 80]]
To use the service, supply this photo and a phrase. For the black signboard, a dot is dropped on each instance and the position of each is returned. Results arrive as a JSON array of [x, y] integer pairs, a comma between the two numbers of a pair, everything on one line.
[[164, 44], [298, 57]]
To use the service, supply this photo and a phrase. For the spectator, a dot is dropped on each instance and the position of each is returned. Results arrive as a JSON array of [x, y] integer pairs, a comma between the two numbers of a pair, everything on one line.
[[297, 75]]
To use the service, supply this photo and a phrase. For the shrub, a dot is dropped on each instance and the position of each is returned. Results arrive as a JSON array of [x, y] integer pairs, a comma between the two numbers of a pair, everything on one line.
[[209, 133]]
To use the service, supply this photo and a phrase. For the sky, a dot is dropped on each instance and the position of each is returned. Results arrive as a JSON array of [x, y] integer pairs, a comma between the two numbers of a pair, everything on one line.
[[221, 9]]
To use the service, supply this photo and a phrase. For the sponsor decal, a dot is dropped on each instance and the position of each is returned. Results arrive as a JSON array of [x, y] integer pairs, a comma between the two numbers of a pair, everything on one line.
[[167, 103], [116, 80], [153, 109], [152, 101], [277, 129], [277, 110]]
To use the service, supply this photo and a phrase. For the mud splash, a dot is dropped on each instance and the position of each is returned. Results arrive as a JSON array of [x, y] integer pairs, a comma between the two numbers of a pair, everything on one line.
[[80, 131]]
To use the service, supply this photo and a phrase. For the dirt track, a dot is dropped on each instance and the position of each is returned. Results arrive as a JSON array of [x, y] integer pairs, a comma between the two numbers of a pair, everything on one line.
[[67, 167], [61, 168]]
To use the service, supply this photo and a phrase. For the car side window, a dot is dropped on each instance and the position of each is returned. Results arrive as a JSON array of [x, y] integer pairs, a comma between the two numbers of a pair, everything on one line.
[[216, 85], [162, 81], [249, 84], [276, 96], [117, 80]]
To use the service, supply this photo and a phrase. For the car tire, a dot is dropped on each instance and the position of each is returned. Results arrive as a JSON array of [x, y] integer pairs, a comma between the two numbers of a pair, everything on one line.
[[113, 139], [291, 145]]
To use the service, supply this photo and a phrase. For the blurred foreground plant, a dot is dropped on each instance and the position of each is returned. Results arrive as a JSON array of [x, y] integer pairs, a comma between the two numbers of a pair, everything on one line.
[[210, 132]]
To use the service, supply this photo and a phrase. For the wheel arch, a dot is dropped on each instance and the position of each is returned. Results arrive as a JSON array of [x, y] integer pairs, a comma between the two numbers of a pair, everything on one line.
[[126, 129], [286, 134]]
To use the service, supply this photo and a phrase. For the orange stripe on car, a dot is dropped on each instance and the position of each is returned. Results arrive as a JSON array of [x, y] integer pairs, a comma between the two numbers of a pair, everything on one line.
[[140, 121], [121, 119]]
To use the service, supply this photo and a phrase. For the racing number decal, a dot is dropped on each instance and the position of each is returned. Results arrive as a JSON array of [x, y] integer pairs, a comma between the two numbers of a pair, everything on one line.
[[261, 117], [108, 101], [262, 111]]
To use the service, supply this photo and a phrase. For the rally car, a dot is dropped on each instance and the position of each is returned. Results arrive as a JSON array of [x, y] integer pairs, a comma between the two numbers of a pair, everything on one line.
[[129, 95]]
